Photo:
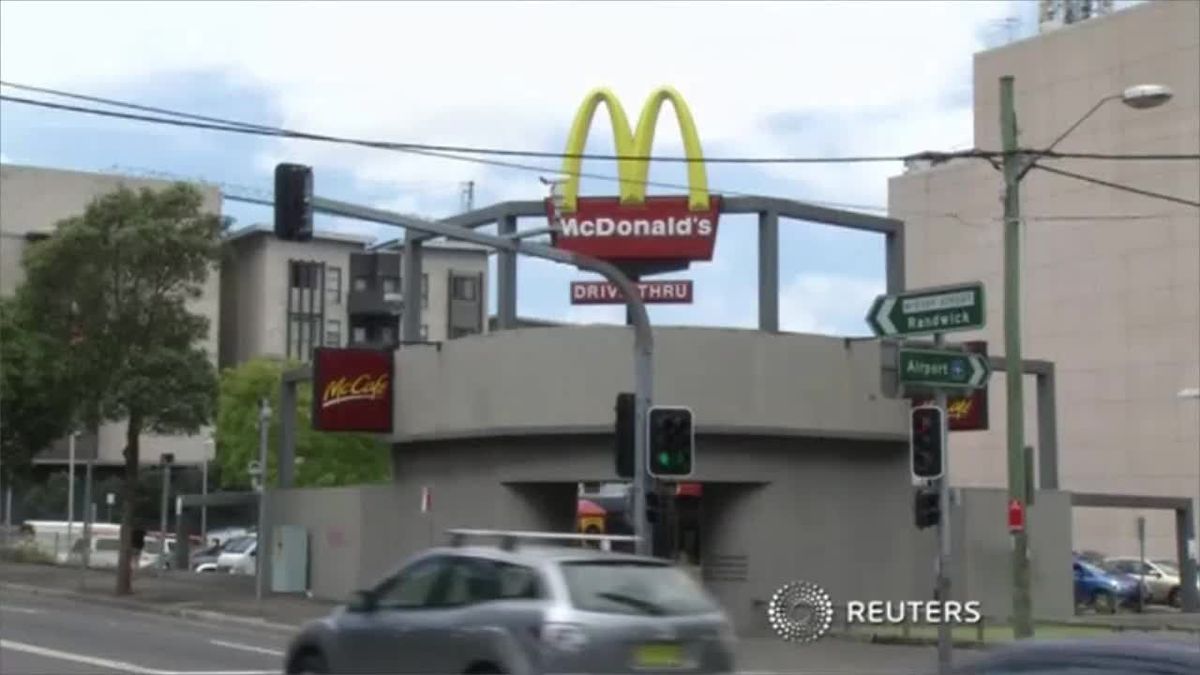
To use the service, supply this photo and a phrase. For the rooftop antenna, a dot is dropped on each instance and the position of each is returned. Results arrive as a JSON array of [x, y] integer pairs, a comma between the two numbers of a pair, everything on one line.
[[468, 196]]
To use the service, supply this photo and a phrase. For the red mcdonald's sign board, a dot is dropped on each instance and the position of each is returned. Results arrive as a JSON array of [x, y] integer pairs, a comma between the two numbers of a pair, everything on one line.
[[967, 412], [353, 390]]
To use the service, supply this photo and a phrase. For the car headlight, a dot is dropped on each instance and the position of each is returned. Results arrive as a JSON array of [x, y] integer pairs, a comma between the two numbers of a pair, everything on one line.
[[567, 637]]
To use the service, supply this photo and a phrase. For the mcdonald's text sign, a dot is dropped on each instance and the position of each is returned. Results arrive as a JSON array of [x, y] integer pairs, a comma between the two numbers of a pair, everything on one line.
[[632, 226]]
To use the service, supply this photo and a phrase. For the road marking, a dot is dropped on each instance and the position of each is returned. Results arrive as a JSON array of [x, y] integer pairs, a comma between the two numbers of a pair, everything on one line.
[[23, 610], [120, 666], [248, 648]]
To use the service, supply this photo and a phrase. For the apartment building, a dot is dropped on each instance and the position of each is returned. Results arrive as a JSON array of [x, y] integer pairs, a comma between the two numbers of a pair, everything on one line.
[[1110, 279], [283, 298], [32, 200]]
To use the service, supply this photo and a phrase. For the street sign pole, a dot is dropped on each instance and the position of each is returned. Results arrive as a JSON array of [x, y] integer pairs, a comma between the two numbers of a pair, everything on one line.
[[943, 556]]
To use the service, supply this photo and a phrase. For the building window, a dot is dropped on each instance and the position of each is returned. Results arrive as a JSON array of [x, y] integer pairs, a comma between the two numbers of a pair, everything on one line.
[[333, 333], [464, 288], [304, 276], [333, 284], [459, 331], [303, 335], [361, 283], [359, 334], [424, 291], [391, 285], [387, 336], [424, 331]]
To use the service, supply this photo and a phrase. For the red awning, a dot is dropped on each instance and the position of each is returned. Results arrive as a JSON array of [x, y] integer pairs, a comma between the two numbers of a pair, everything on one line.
[[588, 507], [688, 489]]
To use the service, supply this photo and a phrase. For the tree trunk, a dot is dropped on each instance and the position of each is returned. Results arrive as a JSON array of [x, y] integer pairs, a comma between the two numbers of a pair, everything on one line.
[[128, 506]]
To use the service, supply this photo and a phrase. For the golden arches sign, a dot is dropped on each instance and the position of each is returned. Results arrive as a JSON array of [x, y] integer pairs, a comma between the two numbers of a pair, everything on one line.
[[633, 173]]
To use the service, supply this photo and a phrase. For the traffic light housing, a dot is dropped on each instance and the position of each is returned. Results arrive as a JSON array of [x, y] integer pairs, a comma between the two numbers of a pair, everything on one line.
[[927, 507], [928, 442], [626, 428], [293, 202], [671, 446]]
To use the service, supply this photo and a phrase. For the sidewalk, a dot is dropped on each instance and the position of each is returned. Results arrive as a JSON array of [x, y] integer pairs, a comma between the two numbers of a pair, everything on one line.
[[199, 596]]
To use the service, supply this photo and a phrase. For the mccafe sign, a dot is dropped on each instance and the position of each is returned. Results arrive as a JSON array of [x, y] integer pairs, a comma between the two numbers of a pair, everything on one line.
[[352, 390]]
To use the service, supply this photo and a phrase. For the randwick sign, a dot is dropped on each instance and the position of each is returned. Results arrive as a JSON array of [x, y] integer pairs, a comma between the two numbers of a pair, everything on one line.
[[352, 390], [632, 228]]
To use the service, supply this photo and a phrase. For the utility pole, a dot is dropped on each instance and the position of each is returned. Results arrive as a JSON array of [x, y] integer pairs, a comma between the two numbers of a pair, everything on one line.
[[944, 643], [264, 430], [1021, 600], [166, 460]]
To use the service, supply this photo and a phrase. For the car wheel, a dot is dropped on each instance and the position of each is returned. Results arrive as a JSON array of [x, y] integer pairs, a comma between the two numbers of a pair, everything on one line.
[[309, 663], [1104, 603], [1173, 598]]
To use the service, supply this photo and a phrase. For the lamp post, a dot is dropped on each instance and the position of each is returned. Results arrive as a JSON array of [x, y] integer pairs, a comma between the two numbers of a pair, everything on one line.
[[71, 489], [1139, 97], [210, 453]]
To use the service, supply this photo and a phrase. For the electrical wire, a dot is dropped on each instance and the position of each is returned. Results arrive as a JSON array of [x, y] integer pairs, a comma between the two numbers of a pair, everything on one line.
[[234, 126], [929, 155], [1117, 186]]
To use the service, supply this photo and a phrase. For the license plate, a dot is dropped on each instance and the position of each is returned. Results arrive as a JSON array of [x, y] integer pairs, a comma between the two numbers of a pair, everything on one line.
[[659, 656]]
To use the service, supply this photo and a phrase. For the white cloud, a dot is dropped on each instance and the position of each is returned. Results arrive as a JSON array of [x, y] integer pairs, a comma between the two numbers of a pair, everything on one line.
[[511, 75], [826, 304]]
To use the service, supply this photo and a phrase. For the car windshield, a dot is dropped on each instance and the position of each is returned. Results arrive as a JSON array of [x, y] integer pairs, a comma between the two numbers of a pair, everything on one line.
[[624, 587], [239, 545], [1092, 569]]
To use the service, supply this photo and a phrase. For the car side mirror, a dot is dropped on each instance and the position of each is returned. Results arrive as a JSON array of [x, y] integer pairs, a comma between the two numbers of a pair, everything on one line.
[[362, 601]]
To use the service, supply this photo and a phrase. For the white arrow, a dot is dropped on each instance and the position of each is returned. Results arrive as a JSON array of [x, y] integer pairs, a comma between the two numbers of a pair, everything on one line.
[[979, 371], [884, 316]]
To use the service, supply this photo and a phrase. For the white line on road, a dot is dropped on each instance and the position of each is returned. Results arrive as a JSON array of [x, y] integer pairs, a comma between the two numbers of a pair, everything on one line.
[[248, 648], [22, 610], [120, 666]]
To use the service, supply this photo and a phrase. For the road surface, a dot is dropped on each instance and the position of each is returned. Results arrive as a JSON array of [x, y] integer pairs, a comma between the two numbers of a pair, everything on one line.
[[41, 635]]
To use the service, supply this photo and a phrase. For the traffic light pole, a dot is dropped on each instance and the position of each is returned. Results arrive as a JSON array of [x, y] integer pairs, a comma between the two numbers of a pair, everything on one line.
[[643, 338], [944, 644]]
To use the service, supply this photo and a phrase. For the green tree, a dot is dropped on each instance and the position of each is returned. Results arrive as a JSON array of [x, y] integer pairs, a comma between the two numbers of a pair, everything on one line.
[[323, 459], [36, 402], [117, 283]]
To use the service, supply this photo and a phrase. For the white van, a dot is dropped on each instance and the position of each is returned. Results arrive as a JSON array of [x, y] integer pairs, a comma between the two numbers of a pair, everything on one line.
[[106, 549]]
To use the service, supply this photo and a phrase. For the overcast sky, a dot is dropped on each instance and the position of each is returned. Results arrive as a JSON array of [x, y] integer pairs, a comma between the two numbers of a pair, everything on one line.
[[805, 78]]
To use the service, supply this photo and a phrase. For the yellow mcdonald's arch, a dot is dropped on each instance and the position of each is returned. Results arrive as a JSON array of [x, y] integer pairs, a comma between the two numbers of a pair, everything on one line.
[[628, 143]]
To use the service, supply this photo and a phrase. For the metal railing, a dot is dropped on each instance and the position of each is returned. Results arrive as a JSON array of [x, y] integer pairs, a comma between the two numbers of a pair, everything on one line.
[[510, 538]]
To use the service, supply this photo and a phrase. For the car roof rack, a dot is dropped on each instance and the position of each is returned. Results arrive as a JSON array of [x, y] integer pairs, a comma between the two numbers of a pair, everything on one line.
[[509, 538]]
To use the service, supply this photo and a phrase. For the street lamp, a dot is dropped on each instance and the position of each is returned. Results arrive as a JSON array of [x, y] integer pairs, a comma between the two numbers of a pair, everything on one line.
[[1140, 97], [210, 453]]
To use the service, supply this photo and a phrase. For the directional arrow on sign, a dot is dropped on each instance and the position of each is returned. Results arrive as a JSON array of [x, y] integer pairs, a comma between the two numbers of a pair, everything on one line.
[[943, 369], [930, 310]]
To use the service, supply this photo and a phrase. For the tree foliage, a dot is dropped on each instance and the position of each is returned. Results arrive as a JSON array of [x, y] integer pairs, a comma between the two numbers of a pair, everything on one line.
[[323, 459], [114, 288], [36, 398]]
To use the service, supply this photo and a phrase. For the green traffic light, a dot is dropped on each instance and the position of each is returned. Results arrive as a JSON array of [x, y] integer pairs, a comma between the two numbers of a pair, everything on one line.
[[664, 459]]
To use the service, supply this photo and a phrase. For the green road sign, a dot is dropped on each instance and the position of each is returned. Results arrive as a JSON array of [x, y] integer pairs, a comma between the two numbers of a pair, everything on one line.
[[943, 369], [930, 310]]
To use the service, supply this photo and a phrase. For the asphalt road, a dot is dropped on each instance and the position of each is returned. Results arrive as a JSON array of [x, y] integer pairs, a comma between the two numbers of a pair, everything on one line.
[[42, 635]]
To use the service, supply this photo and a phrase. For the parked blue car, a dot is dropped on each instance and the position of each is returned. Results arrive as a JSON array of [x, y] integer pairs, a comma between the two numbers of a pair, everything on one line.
[[1104, 591]]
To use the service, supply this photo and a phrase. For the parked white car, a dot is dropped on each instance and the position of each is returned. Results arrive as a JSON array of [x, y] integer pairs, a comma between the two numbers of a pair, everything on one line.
[[105, 550], [238, 556]]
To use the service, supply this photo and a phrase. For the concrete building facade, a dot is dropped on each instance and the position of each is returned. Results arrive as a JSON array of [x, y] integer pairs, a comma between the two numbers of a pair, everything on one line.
[[1110, 279], [281, 298], [32, 201]]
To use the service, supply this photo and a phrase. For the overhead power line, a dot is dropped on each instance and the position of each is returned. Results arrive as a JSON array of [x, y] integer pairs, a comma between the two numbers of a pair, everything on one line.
[[1118, 186], [503, 152]]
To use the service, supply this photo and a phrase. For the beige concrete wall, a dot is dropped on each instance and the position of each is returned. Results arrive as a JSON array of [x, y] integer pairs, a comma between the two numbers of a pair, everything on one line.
[[554, 378], [33, 199], [1114, 301], [437, 263]]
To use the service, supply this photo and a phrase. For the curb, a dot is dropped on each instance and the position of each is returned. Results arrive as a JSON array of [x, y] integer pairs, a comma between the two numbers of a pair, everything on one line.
[[208, 616]]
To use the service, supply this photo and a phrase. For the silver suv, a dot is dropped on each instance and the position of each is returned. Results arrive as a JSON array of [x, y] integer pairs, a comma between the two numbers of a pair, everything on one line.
[[522, 608]]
